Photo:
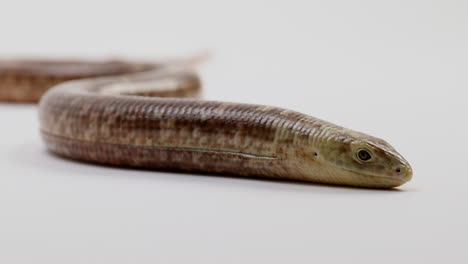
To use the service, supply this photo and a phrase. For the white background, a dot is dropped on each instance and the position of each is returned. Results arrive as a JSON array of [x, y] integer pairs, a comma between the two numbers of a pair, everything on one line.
[[394, 69]]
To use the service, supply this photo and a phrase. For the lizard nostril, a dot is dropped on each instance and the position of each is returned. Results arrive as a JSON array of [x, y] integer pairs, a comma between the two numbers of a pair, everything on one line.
[[398, 170]]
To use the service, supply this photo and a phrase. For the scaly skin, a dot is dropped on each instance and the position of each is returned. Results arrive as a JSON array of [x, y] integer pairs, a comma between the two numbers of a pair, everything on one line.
[[132, 118]]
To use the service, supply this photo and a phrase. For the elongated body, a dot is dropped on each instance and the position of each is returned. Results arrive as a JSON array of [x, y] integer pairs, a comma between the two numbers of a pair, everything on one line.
[[132, 118]]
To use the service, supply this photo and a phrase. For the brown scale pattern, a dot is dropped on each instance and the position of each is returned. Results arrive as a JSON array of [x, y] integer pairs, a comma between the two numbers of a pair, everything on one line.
[[204, 136]]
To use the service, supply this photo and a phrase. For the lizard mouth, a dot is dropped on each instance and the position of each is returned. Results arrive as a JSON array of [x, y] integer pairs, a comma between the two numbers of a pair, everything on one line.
[[383, 181]]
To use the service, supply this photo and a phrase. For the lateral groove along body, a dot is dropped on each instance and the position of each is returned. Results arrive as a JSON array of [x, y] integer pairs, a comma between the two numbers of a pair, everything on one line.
[[112, 120]]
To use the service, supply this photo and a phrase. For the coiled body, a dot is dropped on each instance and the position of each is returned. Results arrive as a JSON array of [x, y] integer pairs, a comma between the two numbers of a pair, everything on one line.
[[131, 118]]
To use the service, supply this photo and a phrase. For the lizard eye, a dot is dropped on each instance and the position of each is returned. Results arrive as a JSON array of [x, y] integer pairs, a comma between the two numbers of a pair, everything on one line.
[[364, 155]]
